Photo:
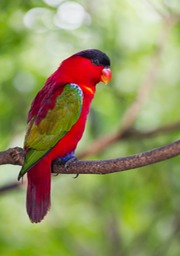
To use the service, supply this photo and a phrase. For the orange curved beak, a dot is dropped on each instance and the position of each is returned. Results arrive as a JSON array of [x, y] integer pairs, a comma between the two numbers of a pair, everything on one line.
[[106, 75]]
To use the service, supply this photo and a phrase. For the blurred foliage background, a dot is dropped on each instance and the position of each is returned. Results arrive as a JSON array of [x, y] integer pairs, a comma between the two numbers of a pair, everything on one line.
[[131, 213]]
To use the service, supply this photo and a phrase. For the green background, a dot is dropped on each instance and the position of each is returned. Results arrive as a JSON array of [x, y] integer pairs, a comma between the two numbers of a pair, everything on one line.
[[131, 213]]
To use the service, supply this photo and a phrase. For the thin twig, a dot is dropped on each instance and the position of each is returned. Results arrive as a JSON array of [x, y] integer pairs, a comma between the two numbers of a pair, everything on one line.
[[10, 186], [133, 133]]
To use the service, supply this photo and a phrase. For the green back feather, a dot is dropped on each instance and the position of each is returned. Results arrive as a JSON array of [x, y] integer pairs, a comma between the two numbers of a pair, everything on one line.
[[42, 137]]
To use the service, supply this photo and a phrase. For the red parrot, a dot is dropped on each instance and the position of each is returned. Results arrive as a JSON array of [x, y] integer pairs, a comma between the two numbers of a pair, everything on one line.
[[56, 122]]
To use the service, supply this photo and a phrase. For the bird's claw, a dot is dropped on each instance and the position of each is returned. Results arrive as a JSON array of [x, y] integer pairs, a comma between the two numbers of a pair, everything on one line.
[[66, 164], [55, 174], [77, 175], [70, 161], [58, 161]]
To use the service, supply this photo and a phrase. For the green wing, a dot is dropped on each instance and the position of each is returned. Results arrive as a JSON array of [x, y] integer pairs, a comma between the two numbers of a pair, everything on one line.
[[42, 137]]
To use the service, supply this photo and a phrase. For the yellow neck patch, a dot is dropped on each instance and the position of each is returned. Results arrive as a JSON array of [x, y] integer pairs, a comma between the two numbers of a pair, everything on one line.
[[88, 89]]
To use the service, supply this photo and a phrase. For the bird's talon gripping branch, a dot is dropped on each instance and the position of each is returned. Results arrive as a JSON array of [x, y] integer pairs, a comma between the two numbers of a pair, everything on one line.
[[58, 161], [77, 175], [69, 162], [55, 174]]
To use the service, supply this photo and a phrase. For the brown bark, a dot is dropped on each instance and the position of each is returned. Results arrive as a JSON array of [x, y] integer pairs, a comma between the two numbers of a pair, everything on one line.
[[16, 155]]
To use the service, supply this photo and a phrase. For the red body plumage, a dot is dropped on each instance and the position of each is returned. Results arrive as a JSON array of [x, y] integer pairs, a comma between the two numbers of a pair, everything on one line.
[[78, 70]]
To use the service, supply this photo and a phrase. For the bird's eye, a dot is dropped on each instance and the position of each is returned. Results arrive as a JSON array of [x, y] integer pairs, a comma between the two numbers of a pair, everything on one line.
[[96, 62]]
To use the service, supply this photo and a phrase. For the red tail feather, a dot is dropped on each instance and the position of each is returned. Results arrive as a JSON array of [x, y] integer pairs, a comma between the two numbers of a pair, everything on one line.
[[38, 190]]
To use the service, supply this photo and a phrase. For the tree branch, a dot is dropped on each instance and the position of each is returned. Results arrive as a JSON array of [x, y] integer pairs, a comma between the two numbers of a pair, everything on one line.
[[13, 156], [102, 166], [121, 164]]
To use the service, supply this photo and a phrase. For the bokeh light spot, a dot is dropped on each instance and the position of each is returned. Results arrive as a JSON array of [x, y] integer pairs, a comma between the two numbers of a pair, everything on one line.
[[39, 19], [70, 15]]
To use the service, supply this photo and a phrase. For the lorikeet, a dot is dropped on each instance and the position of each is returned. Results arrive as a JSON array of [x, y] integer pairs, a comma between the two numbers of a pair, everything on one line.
[[56, 122]]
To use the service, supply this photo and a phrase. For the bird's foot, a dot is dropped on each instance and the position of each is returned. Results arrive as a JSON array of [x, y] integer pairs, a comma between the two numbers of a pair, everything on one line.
[[67, 161], [58, 161], [70, 161]]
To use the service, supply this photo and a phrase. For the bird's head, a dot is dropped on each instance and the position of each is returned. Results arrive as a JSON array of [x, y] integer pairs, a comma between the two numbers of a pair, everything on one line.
[[87, 67]]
